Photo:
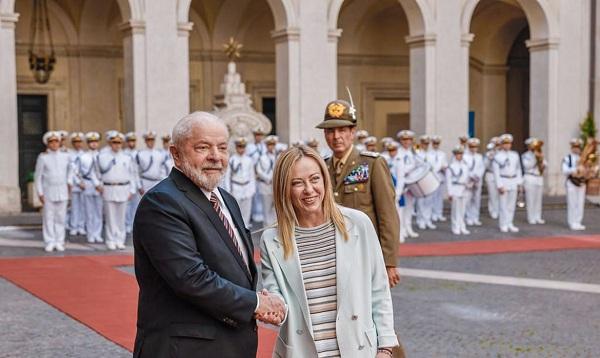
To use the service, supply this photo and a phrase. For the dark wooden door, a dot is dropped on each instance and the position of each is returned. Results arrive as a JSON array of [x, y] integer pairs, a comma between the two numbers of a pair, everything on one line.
[[33, 123]]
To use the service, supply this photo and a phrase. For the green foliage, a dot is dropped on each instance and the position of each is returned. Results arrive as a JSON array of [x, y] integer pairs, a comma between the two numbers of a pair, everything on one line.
[[29, 177], [588, 128]]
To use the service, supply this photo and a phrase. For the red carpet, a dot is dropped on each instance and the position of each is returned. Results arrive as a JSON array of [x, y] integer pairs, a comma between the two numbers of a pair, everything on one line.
[[92, 291]]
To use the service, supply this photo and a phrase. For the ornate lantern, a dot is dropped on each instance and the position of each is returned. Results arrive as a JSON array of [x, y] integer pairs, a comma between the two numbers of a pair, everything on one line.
[[41, 48]]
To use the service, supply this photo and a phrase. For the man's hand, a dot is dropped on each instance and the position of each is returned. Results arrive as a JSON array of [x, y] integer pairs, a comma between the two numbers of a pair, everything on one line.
[[393, 276], [271, 308], [82, 186], [141, 191], [99, 189], [41, 199], [501, 190]]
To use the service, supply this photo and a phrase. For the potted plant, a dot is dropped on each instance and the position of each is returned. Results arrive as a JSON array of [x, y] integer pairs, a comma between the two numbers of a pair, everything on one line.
[[32, 197]]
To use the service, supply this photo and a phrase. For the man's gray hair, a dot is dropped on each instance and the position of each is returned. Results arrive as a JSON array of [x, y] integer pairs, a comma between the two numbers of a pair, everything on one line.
[[183, 127]]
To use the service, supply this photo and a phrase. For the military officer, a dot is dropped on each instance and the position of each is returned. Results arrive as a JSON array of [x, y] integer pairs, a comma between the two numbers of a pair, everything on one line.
[[150, 163], [87, 177], [508, 177], [407, 162], [361, 136], [424, 205], [439, 163], [131, 151], [255, 151], [77, 212], [575, 188], [117, 185], [264, 175], [457, 177], [361, 180], [167, 161], [474, 161], [490, 182], [534, 165], [240, 179], [52, 170]]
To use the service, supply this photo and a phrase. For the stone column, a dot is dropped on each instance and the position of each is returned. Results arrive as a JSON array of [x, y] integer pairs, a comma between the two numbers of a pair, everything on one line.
[[10, 194], [543, 117], [306, 61], [422, 82], [183, 67], [134, 72]]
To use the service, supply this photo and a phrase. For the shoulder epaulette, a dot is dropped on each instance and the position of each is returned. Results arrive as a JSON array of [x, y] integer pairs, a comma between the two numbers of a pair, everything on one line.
[[370, 154]]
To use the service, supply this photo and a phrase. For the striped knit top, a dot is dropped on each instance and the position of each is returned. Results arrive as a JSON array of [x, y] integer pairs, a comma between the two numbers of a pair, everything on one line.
[[316, 249]]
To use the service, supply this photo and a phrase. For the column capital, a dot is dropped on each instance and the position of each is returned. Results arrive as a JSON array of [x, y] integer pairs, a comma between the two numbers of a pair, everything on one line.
[[133, 27], [333, 35], [287, 34], [542, 44], [184, 28], [466, 39], [9, 21], [420, 40]]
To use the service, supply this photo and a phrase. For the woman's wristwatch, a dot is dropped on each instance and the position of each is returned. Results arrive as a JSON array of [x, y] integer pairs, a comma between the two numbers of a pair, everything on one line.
[[387, 351]]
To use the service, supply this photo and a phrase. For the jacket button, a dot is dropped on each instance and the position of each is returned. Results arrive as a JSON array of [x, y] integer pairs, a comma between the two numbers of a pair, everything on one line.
[[354, 317], [300, 332], [360, 348], [335, 194]]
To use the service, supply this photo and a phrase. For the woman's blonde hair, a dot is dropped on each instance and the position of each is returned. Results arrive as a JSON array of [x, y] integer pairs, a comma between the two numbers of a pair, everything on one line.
[[282, 180]]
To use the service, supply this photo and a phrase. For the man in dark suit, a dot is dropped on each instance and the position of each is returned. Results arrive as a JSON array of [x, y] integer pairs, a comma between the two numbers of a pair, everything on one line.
[[194, 256]]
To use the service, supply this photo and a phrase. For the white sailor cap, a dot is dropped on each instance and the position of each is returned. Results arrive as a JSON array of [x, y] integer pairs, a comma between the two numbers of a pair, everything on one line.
[[405, 134], [115, 136], [490, 146], [495, 140], [576, 142], [272, 139], [371, 140], [473, 142], [63, 134], [436, 139], [92, 137], [393, 145], [361, 133], [166, 138], [259, 130], [149, 135], [313, 142], [240, 141], [425, 138], [50, 135], [77, 137], [385, 140], [506, 138], [130, 136], [459, 149], [463, 138]]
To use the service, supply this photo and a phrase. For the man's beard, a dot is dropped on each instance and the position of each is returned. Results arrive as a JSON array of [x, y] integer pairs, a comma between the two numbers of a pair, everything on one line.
[[206, 182]]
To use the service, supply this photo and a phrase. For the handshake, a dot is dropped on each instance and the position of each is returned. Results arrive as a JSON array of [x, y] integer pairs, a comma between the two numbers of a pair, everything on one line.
[[271, 308]]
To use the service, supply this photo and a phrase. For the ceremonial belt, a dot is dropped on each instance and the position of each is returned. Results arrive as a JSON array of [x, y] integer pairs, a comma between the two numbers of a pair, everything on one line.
[[264, 181], [508, 176], [240, 183], [533, 174], [148, 178], [457, 183], [115, 184]]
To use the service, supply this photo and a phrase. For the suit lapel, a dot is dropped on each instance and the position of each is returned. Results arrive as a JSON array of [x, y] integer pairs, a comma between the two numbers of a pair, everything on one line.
[[199, 199], [293, 275]]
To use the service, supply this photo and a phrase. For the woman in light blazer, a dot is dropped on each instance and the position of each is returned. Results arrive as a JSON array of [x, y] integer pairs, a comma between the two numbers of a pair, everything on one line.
[[324, 260]]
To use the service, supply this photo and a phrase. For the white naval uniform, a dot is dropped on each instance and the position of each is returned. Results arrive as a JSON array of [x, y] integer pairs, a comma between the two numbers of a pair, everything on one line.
[[135, 198], [457, 177], [490, 182], [508, 175], [255, 151], [424, 205], [150, 167], [87, 176], [575, 194], [52, 171], [476, 167], [77, 212], [533, 183], [439, 163], [264, 175], [240, 181], [167, 162], [117, 178], [406, 162]]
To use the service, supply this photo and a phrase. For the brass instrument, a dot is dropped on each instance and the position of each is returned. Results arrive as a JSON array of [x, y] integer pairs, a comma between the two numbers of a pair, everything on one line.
[[587, 166], [536, 148]]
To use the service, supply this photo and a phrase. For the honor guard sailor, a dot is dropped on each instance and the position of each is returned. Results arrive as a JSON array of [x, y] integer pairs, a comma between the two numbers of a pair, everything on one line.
[[240, 179], [77, 213], [508, 177], [150, 164], [264, 175], [87, 177], [457, 177], [255, 151], [490, 181], [474, 161], [361, 137], [575, 187], [132, 152], [439, 162], [407, 162], [117, 185], [167, 161], [52, 170], [534, 166], [424, 205]]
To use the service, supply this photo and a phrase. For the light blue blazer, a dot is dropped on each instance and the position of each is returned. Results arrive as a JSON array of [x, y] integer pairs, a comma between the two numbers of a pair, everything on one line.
[[365, 319]]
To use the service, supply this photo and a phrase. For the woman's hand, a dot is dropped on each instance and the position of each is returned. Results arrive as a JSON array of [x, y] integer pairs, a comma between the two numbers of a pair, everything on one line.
[[384, 353]]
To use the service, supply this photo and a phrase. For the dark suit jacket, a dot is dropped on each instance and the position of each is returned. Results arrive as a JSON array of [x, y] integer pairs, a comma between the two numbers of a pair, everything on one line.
[[197, 298]]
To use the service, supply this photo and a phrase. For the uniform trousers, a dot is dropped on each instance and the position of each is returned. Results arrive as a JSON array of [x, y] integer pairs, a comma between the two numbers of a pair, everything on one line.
[[93, 217], [77, 217], [575, 203], [533, 199], [507, 203], [257, 208], [493, 198], [424, 210], [403, 233], [53, 225], [114, 218], [132, 205], [473, 203], [458, 207], [246, 210], [407, 213], [268, 209], [438, 203]]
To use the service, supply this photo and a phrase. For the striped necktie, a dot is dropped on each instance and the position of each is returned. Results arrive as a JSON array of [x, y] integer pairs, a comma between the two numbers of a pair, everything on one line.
[[215, 202]]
